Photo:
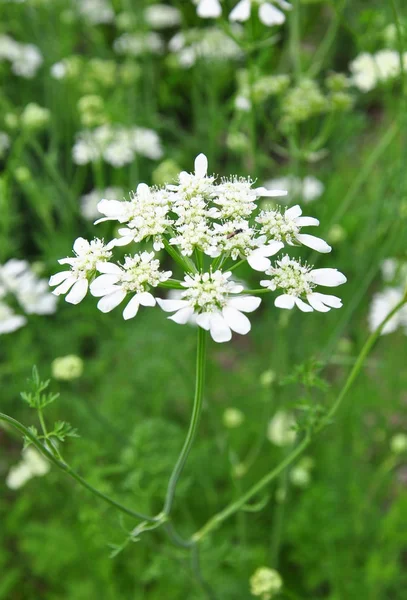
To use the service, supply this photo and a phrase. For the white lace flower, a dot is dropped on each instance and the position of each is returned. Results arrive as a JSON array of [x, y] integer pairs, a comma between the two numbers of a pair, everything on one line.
[[382, 304], [146, 215], [9, 321], [193, 235], [235, 197], [135, 44], [269, 14], [162, 16], [83, 266], [209, 297], [32, 293], [208, 9], [298, 281], [33, 464], [194, 184], [136, 276], [285, 227], [307, 189]]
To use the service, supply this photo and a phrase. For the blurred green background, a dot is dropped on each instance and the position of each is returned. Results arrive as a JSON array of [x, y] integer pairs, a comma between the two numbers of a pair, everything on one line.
[[335, 530]]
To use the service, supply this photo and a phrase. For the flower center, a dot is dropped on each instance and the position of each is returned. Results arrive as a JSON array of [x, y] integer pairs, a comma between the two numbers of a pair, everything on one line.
[[140, 272], [277, 226], [207, 292], [292, 277]]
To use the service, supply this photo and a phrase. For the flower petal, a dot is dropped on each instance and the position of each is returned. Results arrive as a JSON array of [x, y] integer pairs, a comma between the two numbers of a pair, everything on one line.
[[220, 332], [65, 286], [327, 277], [146, 299], [109, 302], [109, 268], [182, 316], [303, 305], [80, 245], [306, 221], [332, 301], [241, 12], [317, 304], [236, 320], [245, 303], [285, 301], [294, 212], [313, 242], [201, 165], [257, 261], [59, 277], [132, 308], [103, 285], [78, 291], [204, 321], [208, 9], [262, 191], [272, 248], [270, 15], [171, 305]]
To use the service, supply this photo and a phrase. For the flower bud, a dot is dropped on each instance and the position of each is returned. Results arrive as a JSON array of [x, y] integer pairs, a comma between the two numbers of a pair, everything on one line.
[[67, 367]]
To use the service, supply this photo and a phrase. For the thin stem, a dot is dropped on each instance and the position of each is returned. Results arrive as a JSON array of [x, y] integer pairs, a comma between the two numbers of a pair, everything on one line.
[[196, 569], [400, 44], [224, 514], [193, 426], [295, 40], [186, 264], [67, 469], [172, 284], [323, 48], [259, 291]]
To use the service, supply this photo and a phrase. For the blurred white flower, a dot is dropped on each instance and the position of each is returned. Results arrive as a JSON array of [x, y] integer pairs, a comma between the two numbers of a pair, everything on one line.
[[4, 143], [162, 16], [34, 116], [95, 11], [9, 321], [33, 464], [208, 9], [135, 44], [306, 190], [269, 14], [17, 278], [280, 430], [25, 59], [368, 70], [382, 304], [265, 583], [232, 418], [210, 43], [398, 443], [67, 367]]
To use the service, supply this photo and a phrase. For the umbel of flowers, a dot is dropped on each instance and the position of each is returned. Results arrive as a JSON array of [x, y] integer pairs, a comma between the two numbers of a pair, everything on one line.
[[209, 226]]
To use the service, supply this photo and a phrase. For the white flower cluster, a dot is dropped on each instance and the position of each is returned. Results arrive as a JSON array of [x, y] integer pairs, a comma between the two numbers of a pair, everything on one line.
[[369, 70], [394, 273], [25, 59], [205, 225], [95, 11], [135, 44], [304, 190], [117, 145], [211, 44], [19, 284], [33, 464], [268, 12]]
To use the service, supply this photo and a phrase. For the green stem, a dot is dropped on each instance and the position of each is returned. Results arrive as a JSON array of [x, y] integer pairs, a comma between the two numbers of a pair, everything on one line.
[[186, 264], [67, 469], [172, 284], [323, 48], [400, 44], [224, 514], [193, 426], [295, 40]]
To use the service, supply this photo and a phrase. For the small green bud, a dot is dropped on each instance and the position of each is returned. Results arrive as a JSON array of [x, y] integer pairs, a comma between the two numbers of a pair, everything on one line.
[[232, 418], [398, 443], [68, 367]]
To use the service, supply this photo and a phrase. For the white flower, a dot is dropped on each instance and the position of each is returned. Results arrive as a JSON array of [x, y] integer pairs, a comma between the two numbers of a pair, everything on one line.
[[210, 44], [382, 304], [208, 9], [17, 278], [286, 228], [194, 184], [138, 274], [368, 70], [59, 70], [25, 59], [280, 430], [209, 297], [145, 215], [33, 464], [162, 16], [146, 142], [297, 280], [96, 11], [9, 321], [135, 44], [269, 14], [266, 583], [83, 265], [91, 200]]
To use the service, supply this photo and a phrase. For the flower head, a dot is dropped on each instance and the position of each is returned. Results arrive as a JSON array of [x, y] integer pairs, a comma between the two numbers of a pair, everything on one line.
[[265, 583], [269, 14]]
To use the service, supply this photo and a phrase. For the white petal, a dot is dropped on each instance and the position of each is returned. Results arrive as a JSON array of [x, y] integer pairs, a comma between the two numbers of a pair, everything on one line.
[[201, 165], [270, 15], [306, 221], [123, 241], [284, 4], [209, 9], [236, 320], [203, 320], [146, 299], [294, 212], [313, 242], [303, 305], [109, 268], [272, 248], [317, 304], [78, 292], [285, 301], [257, 261], [182, 316], [265, 283], [327, 277], [80, 245], [65, 286], [262, 191], [245, 303], [143, 190], [171, 305], [219, 329], [112, 209], [241, 12], [332, 301], [131, 309], [109, 302], [103, 285], [59, 277]]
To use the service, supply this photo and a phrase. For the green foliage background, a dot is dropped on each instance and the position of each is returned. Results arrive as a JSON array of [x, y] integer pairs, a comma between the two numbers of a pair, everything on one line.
[[340, 538]]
